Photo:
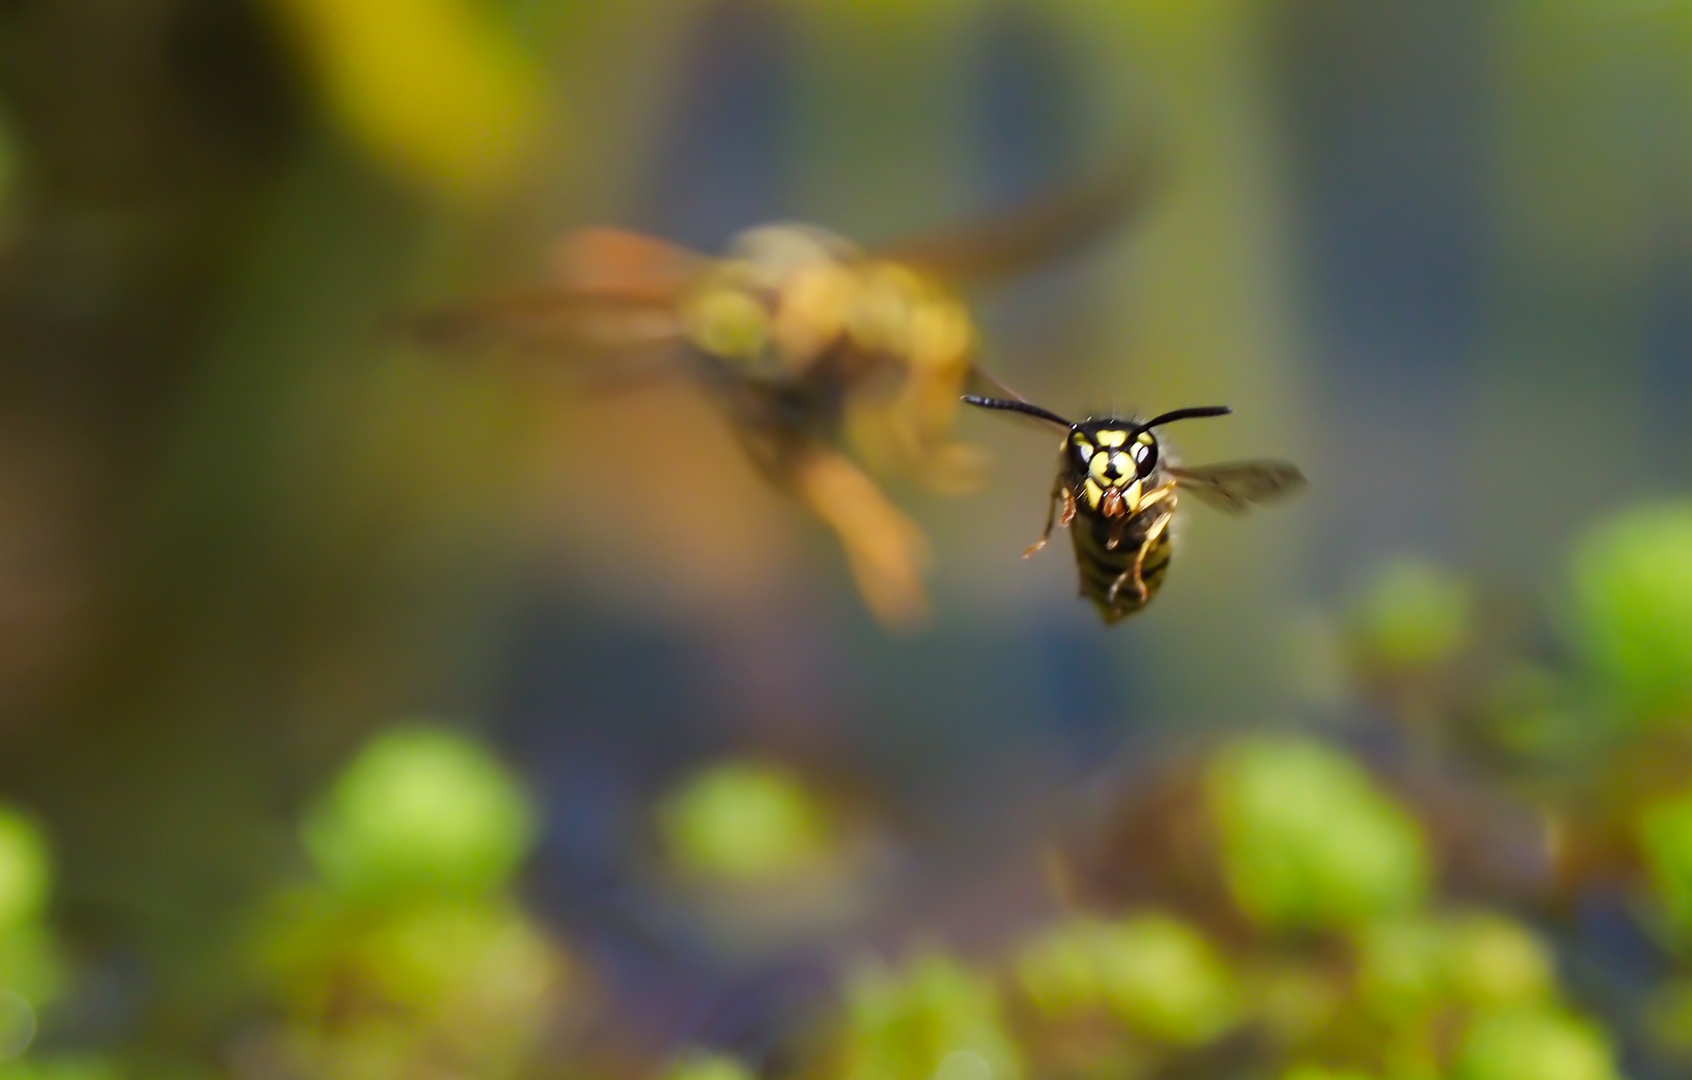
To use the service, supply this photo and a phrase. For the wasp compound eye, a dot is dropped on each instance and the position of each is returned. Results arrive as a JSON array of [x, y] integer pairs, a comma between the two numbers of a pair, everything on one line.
[[1145, 454], [1081, 451]]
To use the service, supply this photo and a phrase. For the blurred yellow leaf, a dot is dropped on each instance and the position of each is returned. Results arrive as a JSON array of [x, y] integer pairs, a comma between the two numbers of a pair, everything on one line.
[[431, 87]]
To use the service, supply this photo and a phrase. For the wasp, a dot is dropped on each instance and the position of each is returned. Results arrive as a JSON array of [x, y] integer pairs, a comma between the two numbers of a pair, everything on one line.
[[832, 364], [1119, 491]]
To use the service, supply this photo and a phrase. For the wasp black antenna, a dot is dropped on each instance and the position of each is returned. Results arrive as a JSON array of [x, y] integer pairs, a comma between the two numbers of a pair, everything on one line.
[[1024, 407], [1193, 413]]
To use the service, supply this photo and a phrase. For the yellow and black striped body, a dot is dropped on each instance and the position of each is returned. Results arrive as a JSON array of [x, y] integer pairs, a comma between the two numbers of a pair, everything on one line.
[[1122, 503], [1102, 567]]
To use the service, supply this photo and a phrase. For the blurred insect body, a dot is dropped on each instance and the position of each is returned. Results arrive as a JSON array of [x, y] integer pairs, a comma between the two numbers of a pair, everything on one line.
[[830, 363], [1120, 493]]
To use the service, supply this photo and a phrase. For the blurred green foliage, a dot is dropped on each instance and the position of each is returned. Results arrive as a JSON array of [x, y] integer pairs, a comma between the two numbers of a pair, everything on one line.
[[421, 811], [700, 1066], [745, 822], [1491, 962], [1665, 836], [1414, 614], [410, 953], [1534, 1045], [33, 970], [1411, 967], [1318, 1072], [25, 870], [933, 1015], [1631, 585], [1156, 973], [1307, 838], [1668, 1017], [69, 1067], [1336, 956]]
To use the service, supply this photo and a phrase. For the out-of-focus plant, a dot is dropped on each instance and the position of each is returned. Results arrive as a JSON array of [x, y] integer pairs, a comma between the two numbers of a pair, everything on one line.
[[25, 870], [1413, 970], [1156, 974], [1413, 615], [756, 855], [1308, 840], [744, 822], [1665, 838], [66, 1067], [422, 811], [1340, 956], [1668, 1017], [434, 87], [1609, 766], [409, 953], [1632, 608], [1534, 1044], [32, 970], [702, 1066], [933, 1017], [1320, 1072]]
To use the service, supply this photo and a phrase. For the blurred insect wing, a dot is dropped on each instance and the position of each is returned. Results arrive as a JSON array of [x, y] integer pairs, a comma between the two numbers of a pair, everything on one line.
[[616, 264], [1050, 226], [559, 321], [1236, 486], [615, 291]]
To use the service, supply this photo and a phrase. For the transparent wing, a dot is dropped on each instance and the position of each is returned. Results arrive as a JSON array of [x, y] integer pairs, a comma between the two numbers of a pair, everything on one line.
[[1234, 486], [613, 291], [559, 320], [1054, 224]]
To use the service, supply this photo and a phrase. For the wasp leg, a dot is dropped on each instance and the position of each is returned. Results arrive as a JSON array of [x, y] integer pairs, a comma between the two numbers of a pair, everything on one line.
[[1058, 488], [885, 550], [1132, 574], [1157, 495]]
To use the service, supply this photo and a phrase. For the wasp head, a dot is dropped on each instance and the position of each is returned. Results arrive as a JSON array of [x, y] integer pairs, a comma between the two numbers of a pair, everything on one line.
[[1109, 462]]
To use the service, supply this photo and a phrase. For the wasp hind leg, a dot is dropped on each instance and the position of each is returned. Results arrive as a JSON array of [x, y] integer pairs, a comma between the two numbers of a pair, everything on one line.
[[1052, 518], [1131, 576]]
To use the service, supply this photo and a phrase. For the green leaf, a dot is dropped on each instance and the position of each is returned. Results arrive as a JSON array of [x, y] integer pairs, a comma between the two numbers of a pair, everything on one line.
[[421, 812], [1308, 840]]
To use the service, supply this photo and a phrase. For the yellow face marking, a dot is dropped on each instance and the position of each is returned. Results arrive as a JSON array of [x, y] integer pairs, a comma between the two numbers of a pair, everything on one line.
[[1093, 492], [1145, 438], [1111, 438], [1124, 464], [1098, 466], [1084, 447], [1131, 498]]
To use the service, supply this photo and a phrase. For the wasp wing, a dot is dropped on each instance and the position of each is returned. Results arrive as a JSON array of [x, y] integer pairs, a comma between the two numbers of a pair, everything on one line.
[[615, 291], [1234, 486], [1043, 229], [560, 321]]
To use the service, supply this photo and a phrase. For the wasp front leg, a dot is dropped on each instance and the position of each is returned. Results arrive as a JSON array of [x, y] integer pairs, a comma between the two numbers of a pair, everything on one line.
[[1058, 488], [1132, 575], [885, 550]]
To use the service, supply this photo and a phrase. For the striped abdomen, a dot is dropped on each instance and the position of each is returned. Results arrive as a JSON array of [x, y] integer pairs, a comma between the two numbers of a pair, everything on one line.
[[1101, 566]]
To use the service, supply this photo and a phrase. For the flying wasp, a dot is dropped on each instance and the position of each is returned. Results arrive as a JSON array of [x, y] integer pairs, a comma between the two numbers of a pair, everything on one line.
[[1119, 491], [831, 364]]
